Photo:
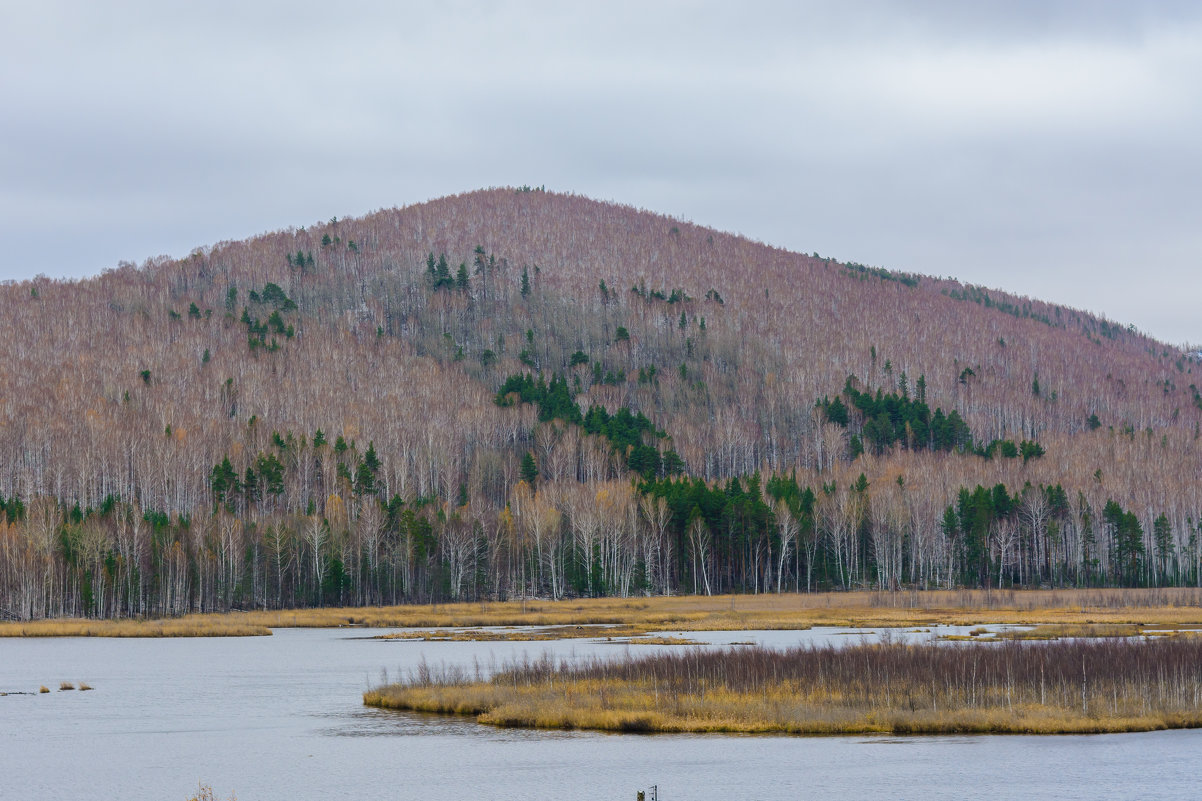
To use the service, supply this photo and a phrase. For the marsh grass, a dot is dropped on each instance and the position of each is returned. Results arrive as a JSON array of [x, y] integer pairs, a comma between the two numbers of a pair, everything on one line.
[[1171, 607], [66, 685], [43, 689], [84, 686], [1012, 687], [187, 626], [1062, 630]]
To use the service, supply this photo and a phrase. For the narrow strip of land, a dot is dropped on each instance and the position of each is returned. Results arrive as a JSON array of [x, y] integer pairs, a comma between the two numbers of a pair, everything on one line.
[[1174, 607]]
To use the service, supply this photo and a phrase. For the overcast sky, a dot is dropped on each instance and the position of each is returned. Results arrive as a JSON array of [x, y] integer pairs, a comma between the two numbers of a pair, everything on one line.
[[1050, 149]]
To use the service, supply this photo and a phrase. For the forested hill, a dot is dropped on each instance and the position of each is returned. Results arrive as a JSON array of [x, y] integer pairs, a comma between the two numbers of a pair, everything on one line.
[[516, 392]]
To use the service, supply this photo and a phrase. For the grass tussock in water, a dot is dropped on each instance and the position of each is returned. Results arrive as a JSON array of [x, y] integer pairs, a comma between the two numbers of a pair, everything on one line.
[[205, 793], [1011, 687]]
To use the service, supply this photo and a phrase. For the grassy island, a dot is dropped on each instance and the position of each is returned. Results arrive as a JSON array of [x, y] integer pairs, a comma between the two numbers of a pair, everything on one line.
[[1056, 687]]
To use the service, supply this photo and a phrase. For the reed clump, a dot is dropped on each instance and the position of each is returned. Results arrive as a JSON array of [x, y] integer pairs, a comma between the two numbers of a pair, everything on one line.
[[43, 689], [1013, 687], [64, 686]]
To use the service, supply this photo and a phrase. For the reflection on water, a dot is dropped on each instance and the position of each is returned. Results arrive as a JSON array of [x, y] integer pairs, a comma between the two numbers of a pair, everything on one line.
[[281, 718]]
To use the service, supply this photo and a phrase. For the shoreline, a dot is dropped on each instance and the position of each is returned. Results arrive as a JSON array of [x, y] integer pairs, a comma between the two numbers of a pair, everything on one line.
[[640, 615]]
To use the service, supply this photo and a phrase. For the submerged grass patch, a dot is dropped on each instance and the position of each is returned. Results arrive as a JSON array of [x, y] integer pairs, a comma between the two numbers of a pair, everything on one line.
[[205, 793], [625, 634], [1171, 607], [1057, 631], [1015, 687]]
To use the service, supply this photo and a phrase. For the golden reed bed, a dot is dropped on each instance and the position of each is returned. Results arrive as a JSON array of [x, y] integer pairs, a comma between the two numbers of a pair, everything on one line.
[[1166, 607], [1013, 687]]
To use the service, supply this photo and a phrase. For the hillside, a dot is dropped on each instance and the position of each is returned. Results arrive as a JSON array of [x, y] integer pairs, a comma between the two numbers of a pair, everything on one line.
[[312, 416]]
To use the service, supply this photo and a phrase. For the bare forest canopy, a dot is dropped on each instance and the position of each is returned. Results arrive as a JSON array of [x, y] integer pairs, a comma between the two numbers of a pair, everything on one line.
[[515, 393]]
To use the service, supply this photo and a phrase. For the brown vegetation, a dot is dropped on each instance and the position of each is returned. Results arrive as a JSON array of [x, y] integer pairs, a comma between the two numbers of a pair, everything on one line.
[[1166, 607], [191, 626], [1046, 688]]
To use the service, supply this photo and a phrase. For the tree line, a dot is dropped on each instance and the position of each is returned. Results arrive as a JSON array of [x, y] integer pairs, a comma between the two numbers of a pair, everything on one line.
[[564, 539]]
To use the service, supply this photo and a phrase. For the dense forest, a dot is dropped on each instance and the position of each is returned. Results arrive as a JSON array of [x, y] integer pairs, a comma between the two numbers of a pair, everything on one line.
[[515, 393]]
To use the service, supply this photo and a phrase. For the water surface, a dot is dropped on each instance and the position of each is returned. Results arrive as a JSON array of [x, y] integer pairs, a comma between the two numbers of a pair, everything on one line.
[[282, 718]]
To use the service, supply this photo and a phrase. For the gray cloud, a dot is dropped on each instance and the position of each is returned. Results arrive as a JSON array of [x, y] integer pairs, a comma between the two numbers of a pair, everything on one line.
[[1048, 148]]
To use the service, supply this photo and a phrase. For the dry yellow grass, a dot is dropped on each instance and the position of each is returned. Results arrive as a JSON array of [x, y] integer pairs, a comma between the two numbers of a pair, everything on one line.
[[614, 707], [1062, 630], [187, 626], [893, 687], [1174, 607]]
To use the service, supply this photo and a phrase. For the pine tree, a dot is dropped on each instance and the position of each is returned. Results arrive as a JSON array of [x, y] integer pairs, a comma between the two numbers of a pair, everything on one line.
[[529, 469]]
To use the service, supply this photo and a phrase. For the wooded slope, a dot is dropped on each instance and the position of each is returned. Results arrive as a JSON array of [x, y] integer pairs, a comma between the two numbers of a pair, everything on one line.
[[378, 344]]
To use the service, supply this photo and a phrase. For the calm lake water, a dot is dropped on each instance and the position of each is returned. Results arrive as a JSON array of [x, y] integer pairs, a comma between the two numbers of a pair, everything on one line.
[[281, 717]]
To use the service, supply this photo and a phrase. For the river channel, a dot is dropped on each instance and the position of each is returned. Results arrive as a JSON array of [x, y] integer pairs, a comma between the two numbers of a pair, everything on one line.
[[281, 718]]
